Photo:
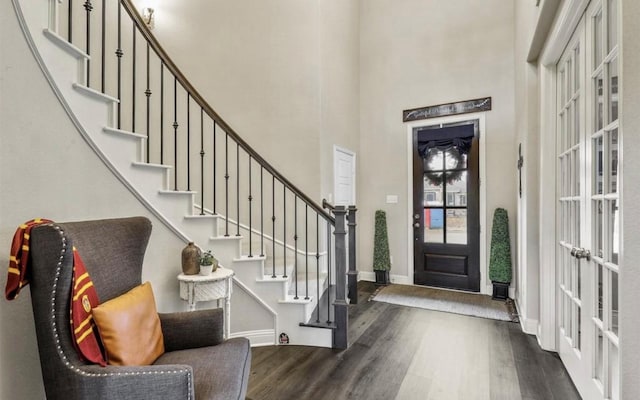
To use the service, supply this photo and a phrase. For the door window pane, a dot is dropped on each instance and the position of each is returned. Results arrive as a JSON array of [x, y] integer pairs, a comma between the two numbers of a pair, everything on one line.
[[434, 225], [433, 160], [612, 28], [576, 123], [597, 229], [599, 109], [598, 175], [432, 189], [614, 302], [597, 39], [457, 226], [456, 187], [613, 90], [599, 284], [577, 68], [613, 160], [455, 160], [599, 356], [613, 236]]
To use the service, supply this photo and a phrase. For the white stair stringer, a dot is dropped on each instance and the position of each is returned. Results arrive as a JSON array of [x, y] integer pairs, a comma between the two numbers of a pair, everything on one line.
[[93, 113]]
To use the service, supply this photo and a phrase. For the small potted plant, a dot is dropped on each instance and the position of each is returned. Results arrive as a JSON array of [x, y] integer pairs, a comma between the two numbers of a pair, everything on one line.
[[381, 257], [208, 263]]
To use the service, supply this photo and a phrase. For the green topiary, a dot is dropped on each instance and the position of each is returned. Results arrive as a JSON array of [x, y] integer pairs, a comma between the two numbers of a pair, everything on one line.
[[500, 259], [381, 259]]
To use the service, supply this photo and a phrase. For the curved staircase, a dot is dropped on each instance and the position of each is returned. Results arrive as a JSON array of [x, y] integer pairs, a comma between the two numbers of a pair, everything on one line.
[[277, 240]]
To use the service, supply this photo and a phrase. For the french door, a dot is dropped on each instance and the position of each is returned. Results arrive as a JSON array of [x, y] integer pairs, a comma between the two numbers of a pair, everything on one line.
[[588, 185]]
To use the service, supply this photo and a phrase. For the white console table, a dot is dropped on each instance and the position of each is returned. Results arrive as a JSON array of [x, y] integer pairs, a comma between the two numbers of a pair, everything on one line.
[[217, 286]]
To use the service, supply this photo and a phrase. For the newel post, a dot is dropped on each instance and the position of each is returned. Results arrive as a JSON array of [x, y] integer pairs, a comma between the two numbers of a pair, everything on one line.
[[352, 275], [340, 305]]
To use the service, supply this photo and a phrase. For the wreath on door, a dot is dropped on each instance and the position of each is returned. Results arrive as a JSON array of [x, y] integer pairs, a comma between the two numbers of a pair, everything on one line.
[[436, 178]]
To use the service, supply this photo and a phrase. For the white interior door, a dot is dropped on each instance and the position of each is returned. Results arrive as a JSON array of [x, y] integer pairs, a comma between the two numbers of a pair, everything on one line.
[[588, 208], [344, 170]]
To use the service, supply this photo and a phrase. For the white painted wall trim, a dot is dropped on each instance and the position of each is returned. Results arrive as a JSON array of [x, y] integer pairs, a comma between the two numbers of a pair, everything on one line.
[[485, 285], [529, 326], [566, 21]]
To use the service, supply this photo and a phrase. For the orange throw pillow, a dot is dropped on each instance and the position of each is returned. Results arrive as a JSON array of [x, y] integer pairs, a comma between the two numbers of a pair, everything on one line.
[[130, 328]]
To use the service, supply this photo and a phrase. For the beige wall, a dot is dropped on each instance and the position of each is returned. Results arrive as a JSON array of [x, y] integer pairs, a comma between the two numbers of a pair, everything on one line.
[[423, 53]]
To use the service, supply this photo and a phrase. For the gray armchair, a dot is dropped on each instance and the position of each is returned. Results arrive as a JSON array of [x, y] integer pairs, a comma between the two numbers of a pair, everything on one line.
[[198, 363]]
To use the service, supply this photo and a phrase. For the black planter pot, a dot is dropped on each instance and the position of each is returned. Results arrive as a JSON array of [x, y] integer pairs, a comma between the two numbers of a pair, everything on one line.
[[382, 277], [500, 291]]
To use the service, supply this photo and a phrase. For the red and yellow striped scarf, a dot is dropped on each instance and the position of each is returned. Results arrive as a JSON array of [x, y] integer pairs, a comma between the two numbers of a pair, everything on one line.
[[84, 296]]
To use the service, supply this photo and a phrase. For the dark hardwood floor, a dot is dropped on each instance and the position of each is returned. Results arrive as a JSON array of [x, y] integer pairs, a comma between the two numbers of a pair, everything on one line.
[[402, 353]]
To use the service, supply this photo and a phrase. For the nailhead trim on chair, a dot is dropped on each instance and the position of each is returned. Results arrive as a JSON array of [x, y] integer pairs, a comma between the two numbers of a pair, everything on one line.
[[57, 337]]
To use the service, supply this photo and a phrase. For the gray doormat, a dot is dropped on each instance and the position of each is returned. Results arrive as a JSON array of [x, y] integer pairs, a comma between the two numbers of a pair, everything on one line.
[[476, 305]]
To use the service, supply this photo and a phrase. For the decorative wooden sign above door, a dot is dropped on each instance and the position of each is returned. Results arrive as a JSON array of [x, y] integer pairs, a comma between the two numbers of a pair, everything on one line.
[[440, 110]]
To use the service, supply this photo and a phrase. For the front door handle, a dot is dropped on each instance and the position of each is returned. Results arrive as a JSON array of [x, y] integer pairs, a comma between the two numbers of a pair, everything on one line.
[[416, 225]]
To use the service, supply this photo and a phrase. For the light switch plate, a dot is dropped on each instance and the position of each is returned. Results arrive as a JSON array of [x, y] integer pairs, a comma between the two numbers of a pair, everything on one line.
[[392, 199]]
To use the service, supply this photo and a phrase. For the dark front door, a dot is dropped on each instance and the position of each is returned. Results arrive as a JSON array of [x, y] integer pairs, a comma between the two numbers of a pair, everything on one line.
[[446, 222]]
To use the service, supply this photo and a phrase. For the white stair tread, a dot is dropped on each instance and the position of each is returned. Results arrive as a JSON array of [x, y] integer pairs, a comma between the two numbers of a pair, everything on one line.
[[123, 132], [202, 217], [300, 300], [65, 45], [177, 192], [249, 259], [150, 165], [94, 93]]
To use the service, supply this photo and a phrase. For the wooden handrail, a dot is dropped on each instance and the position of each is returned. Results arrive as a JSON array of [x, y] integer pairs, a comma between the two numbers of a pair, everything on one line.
[[197, 97]]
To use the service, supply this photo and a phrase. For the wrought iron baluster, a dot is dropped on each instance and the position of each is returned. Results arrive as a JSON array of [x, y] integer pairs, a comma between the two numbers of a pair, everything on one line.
[[88, 7], [238, 189], [188, 141], [119, 54], [262, 212], [306, 251], [215, 161], [175, 133], [273, 225], [318, 265], [226, 182], [250, 203], [201, 161], [133, 81], [284, 227], [295, 244], [69, 22], [328, 273], [103, 40], [162, 113], [147, 93]]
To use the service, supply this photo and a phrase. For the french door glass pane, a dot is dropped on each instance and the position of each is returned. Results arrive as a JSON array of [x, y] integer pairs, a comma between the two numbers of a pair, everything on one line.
[[599, 285], [613, 236], [614, 302], [599, 108], [576, 74], [457, 226], [613, 160], [599, 356], [597, 39], [612, 28], [578, 341], [576, 122], [597, 229], [613, 90], [598, 166], [456, 187]]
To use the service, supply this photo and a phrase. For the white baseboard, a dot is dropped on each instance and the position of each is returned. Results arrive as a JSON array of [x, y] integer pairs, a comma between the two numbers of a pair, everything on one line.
[[258, 338], [529, 326], [370, 276]]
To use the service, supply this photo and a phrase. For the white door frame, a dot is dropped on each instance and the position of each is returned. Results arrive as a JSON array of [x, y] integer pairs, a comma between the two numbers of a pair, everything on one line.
[[485, 286], [339, 149]]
